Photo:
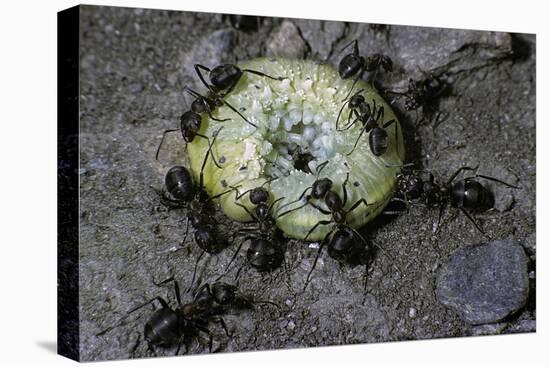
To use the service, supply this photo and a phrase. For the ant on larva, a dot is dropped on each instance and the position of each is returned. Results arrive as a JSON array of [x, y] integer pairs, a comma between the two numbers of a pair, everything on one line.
[[420, 187], [355, 64], [190, 121], [181, 192], [373, 123], [176, 327], [345, 243], [266, 250], [223, 78]]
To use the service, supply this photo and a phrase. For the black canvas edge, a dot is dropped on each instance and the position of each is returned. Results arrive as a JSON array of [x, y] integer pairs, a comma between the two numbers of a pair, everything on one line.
[[68, 39]]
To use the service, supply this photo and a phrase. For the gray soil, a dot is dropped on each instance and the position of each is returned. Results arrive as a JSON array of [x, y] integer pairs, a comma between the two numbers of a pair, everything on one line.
[[133, 66]]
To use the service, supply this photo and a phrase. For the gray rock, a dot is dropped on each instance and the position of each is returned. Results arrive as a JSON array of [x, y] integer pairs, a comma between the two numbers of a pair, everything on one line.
[[485, 282], [286, 42]]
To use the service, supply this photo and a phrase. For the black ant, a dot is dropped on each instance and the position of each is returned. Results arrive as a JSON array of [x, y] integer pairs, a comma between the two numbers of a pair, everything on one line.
[[266, 251], [181, 192], [345, 243], [470, 196], [170, 327], [355, 64], [423, 93], [223, 78], [191, 121], [372, 120]]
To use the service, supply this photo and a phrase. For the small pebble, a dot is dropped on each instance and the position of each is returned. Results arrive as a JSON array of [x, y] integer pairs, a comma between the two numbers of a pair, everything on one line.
[[485, 282]]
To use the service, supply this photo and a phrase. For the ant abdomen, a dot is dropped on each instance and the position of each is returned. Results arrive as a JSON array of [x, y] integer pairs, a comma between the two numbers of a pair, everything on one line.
[[163, 329], [179, 183], [378, 141], [472, 195], [264, 255]]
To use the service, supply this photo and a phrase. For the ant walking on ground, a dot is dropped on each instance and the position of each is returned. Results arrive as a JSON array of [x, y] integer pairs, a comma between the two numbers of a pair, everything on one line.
[[421, 187], [180, 326]]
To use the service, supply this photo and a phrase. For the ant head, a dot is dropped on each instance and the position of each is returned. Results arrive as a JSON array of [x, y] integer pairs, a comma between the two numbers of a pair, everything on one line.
[[224, 76], [190, 125], [258, 195], [320, 188]]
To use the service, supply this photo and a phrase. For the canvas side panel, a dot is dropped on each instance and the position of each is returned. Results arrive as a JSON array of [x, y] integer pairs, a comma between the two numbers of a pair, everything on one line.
[[67, 182]]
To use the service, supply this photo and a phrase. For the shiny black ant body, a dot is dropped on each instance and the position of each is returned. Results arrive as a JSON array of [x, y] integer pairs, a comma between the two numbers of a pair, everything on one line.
[[423, 93], [223, 78], [170, 327], [372, 120], [190, 121], [355, 64], [345, 243], [266, 251], [418, 187], [181, 192]]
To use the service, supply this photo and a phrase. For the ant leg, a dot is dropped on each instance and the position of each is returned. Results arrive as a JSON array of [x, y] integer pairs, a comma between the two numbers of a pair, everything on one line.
[[224, 326], [359, 76], [363, 129], [349, 125], [387, 124], [492, 179], [198, 68], [326, 212], [321, 222], [345, 191], [215, 135], [210, 145], [248, 211], [238, 113], [219, 195], [315, 261], [474, 223], [357, 203], [383, 250], [292, 202], [280, 78], [204, 329], [162, 141], [274, 202], [441, 210], [465, 168], [339, 114], [233, 258], [355, 47], [195, 270]]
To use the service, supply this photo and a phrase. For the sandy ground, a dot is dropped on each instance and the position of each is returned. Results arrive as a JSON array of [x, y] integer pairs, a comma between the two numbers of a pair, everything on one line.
[[134, 64]]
